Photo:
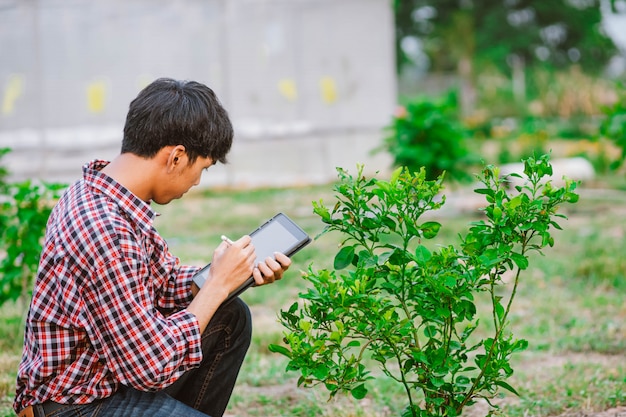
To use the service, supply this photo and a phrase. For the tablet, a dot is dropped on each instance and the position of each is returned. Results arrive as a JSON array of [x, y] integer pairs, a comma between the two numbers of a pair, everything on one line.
[[278, 234]]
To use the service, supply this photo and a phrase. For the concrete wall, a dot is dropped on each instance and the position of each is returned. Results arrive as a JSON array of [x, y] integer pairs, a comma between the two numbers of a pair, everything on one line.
[[308, 83]]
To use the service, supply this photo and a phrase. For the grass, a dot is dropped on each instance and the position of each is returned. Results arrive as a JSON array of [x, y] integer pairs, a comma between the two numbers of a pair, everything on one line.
[[569, 307]]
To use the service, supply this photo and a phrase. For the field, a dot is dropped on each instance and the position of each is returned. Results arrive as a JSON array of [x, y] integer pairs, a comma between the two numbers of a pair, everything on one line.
[[570, 306]]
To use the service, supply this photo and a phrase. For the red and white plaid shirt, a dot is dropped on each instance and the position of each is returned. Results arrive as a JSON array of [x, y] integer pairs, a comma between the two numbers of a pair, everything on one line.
[[108, 303]]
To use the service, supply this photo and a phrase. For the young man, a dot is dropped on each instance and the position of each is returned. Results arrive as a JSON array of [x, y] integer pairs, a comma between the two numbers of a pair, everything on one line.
[[116, 327]]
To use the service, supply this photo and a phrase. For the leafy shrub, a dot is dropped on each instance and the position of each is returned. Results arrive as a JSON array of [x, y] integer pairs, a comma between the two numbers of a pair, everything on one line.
[[410, 308], [614, 127], [24, 211], [427, 133]]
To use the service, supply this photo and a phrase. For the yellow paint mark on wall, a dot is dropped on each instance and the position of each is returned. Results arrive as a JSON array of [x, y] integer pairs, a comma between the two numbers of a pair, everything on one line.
[[287, 88], [96, 96], [13, 91], [328, 90]]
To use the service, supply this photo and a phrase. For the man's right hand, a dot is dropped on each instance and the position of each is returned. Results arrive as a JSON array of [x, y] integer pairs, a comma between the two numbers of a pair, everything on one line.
[[232, 263]]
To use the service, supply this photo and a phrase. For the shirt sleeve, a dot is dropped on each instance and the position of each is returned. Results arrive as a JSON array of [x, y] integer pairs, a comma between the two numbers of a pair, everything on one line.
[[175, 293], [142, 347], [173, 283]]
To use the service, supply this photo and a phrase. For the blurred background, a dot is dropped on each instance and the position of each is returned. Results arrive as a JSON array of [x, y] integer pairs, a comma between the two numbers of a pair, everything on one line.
[[308, 84], [312, 85], [315, 84]]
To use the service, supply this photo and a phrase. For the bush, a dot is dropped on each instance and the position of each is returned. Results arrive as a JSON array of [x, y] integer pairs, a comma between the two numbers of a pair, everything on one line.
[[411, 308], [24, 211], [427, 133], [614, 127]]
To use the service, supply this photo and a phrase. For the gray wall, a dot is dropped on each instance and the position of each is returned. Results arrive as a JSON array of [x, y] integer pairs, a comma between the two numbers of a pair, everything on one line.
[[308, 83]]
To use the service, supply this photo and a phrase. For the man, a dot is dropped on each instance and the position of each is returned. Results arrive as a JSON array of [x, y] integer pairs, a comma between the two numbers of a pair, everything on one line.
[[116, 327]]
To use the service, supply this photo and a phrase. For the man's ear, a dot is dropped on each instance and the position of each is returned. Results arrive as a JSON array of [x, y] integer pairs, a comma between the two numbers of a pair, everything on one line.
[[176, 158]]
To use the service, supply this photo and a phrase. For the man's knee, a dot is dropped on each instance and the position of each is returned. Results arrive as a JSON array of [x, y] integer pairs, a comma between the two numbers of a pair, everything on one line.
[[234, 321], [242, 317]]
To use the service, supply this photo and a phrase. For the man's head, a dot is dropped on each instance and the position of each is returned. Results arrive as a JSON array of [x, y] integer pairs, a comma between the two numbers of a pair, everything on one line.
[[171, 112]]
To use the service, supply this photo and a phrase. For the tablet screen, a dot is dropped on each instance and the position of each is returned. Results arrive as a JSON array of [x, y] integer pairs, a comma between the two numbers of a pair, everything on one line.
[[273, 237]]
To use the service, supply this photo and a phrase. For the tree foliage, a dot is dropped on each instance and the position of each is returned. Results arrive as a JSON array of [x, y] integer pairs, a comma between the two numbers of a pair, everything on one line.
[[557, 33]]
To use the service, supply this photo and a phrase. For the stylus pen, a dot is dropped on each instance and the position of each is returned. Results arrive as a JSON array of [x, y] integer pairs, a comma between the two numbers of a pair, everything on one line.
[[227, 240]]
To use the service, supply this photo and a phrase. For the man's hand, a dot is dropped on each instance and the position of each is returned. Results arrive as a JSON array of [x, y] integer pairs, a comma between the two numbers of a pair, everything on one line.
[[271, 269], [232, 263]]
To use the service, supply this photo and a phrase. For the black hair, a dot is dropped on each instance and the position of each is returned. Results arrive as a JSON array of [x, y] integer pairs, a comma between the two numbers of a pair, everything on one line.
[[170, 112]]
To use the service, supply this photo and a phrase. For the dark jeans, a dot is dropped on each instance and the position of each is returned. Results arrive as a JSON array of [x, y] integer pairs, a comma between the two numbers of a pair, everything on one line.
[[199, 392]]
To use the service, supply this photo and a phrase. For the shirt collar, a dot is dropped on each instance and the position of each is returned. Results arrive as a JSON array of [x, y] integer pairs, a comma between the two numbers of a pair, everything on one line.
[[137, 210]]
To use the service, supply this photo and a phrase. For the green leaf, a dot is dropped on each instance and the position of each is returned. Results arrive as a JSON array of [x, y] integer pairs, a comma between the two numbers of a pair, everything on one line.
[[305, 325], [520, 345], [320, 372], [507, 387], [395, 175], [431, 331], [422, 254], [430, 229], [344, 257], [514, 203], [486, 191], [359, 392], [279, 349], [463, 381], [367, 259], [449, 281], [571, 197], [497, 213], [322, 211], [389, 223], [499, 310], [354, 343], [520, 260]]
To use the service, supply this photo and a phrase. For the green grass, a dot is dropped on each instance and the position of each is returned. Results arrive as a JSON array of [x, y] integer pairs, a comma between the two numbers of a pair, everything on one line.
[[569, 307]]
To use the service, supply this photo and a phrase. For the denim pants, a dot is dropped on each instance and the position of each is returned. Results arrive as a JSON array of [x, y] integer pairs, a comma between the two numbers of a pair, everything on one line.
[[199, 392]]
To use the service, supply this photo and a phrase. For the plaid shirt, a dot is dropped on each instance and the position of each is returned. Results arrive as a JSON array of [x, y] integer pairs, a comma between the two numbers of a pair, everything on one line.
[[108, 303]]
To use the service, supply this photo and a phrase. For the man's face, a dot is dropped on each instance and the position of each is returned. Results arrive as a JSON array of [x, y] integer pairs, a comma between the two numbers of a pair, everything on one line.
[[182, 178]]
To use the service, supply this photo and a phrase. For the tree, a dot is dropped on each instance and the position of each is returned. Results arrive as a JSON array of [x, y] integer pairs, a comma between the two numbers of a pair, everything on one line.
[[508, 34]]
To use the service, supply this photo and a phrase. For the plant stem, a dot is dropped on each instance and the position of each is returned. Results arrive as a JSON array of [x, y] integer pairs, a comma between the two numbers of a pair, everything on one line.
[[499, 324], [405, 383]]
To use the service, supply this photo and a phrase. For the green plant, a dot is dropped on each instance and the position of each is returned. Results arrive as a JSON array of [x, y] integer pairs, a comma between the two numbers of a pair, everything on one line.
[[410, 308], [24, 211], [613, 127], [426, 133]]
